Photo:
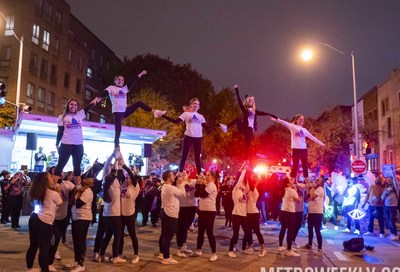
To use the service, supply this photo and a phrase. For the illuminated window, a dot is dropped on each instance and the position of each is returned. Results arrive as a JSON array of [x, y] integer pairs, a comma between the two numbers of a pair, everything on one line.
[[35, 33], [10, 26], [46, 40], [89, 72]]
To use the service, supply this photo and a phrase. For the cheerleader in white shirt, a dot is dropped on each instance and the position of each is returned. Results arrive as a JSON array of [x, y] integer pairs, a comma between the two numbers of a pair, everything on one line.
[[194, 122], [71, 138], [45, 196], [299, 146], [206, 191], [239, 215], [120, 111], [129, 191], [81, 218]]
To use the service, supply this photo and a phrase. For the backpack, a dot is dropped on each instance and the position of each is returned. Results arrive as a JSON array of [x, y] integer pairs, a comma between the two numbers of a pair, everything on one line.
[[354, 244]]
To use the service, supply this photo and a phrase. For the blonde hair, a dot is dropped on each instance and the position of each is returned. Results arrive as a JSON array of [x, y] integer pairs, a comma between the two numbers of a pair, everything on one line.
[[193, 100], [246, 102], [296, 117]]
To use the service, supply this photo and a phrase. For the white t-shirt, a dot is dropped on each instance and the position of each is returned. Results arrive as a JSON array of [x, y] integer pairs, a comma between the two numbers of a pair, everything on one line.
[[72, 124], [193, 121], [169, 199], [209, 203], [298, 135], [113, 208], [84, 212], [62, 210], [252, 197], [189, 200], [118, 97], [47, 210], [239, 195], [289, 199], [317, 205], [128, 198]]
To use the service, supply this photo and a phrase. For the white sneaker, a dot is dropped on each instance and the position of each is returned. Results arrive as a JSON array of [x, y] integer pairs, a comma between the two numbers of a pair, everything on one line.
[[169, 261], [52, 268], [346, 230], [196, 253], [335, 228], [223, 127], [356, 232], [214, 257], [57, 257], [103, 259], [118, 260], [368, 233], [158, 113], [248, 250], [381, 235], [319, 252], [180, 254], [78, 269], [72, 265], [263, 252], [231, 254], [394, 238], [281, 248], [135, 259], [186, 250], [292, 253], [33, 270]]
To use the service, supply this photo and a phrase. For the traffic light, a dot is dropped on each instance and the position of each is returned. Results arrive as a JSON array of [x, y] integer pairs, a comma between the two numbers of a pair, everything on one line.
[[2, 93]]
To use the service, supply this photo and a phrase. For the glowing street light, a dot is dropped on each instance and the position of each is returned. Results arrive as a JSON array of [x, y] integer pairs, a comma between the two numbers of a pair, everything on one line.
[[307, 55]]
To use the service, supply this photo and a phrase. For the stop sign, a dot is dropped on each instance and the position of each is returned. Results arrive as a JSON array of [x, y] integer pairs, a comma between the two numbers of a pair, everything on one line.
[[358, 166]]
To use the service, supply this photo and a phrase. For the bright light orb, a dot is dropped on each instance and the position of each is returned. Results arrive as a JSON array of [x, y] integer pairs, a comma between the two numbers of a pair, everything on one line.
[[307, 55]]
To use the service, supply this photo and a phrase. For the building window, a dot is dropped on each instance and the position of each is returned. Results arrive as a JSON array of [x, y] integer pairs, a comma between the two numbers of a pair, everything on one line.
[[92, 54], [56, 46], [9, 31], [30, 93], [69, 56], [88, 95], [33, 64], [5, 56], [44, 69], [101, 61], [48, 11], [46, 40], [51, 98], [35, 33], [385, 106], [80, 64], [389, 127], [78, 85], [390, 159], [89, 72], [66, 80], [375, 114], [53, 74], [58, 19], [41, 98]]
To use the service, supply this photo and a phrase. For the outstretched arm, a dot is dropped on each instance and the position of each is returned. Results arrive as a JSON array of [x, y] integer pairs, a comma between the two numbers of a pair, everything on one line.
[[131, 85], [175, 121], [236, 87], [314, 139], [92, 104]]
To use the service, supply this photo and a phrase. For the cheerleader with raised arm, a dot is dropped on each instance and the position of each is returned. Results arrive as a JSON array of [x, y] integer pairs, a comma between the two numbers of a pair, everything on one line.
[[299, 145], [248, 125], [118, 97]]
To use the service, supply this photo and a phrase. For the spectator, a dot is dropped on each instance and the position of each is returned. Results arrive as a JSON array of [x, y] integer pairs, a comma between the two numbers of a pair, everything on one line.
[[40, 159]]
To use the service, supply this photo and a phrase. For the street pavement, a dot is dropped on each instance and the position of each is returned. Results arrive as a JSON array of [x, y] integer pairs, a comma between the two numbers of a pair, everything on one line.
[[384, 258]]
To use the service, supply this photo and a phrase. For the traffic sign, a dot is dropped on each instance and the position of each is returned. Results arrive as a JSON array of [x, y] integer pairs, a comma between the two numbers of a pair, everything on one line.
[[358, 166]]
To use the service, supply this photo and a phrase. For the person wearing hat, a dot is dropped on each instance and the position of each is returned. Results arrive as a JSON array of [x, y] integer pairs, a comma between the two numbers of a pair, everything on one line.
[[5, 195]]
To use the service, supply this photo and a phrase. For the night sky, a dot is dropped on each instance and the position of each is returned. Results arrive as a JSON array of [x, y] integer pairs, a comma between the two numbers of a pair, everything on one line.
[[256, 44]]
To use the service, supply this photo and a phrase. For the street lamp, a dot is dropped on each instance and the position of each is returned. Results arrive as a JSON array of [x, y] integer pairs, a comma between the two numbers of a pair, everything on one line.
[[307, 54], [21, 47]]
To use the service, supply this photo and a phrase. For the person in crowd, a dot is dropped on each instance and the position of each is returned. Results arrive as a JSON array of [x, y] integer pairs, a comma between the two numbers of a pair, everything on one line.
[[299, 212], [227, 201], [61, 220], [375, 208], [253, 213], [194, 122], [139, 163], [239, 215], [169, 214], [315, 214], [390, 198], [52, 159], [149, 195], [5, 195], [129, 192], [17, 186], [275, 196], [248, 125], [351, 200], [298, 143], [287, 216], [40, 160], [81, 218], [45, 195], [206, 191], [71, 138], [187, 211], [118, 97]]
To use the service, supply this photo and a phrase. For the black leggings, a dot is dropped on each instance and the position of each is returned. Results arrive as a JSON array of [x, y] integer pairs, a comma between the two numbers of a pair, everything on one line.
[[206, 224], [288, 220], [254, 224], [129, 222], [15, 207], [187, 143], [315, 221], [168, 229], [299, 155], [58, 228], [247, 133], [298, 222], [65, 151], [100, 232], [40, 235], [238, 221], [227, 203], [185, 219], [113, 226], [119, 116], [79, 233]]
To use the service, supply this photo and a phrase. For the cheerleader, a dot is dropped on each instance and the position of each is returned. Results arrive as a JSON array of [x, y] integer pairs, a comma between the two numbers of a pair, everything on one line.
[[120, 111], [299, 146], [248, 125], [43, 193], [206, 190]]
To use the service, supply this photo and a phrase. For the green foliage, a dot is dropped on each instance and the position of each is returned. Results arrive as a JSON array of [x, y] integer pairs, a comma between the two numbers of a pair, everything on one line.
[[7, 116]]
